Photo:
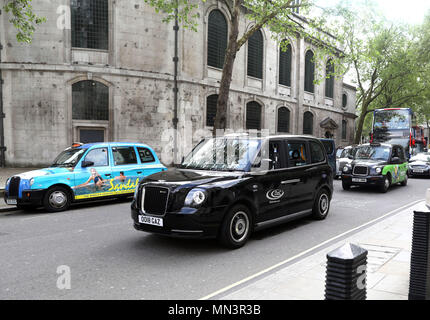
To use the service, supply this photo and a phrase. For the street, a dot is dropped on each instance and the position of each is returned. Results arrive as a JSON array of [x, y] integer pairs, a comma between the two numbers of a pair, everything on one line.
[[108, 259]]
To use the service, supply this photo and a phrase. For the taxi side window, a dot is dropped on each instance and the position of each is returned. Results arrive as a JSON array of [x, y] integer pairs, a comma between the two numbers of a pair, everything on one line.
[[297, 154], [98, 156], [275, 154], [124, 155], [145, 155], [317, 153]]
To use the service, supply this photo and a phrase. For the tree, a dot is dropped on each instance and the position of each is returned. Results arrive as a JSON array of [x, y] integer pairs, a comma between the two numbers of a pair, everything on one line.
[[379, 58], [23, 18], [276, 15]]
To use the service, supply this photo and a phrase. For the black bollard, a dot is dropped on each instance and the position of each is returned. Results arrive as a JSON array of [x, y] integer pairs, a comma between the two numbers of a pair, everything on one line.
[[346, 273], [419, 281]]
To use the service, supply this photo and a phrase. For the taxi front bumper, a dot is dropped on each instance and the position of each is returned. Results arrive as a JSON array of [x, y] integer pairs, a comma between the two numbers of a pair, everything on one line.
[[350, 179], [28, 197]]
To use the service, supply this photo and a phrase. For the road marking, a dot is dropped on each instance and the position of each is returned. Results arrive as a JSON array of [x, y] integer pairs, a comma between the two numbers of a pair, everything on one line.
[[307, 251]]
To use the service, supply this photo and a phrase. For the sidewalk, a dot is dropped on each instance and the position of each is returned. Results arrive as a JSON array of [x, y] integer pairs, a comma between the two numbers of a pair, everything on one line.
[[388, 243], [6, 173]]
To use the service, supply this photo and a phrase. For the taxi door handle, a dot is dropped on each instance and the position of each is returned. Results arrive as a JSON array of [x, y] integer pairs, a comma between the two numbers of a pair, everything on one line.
[[139, 172], [293, 181], [107, 174]]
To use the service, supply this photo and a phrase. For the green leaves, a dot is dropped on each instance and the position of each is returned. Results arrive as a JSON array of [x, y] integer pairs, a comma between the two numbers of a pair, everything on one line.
[[23, 19]]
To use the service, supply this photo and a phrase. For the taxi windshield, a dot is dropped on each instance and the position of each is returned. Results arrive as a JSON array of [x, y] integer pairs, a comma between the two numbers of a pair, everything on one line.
[[223, 154], [68, 158], [373, 153]]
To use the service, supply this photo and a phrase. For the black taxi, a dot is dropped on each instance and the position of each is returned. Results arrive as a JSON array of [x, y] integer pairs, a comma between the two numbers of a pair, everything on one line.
[[376, 164], [230, 186]]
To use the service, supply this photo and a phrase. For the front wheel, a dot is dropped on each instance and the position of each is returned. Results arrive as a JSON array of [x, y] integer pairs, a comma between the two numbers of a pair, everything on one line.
[[386, 185], [346, 186], [321, 205], [56, 199], [236, 227]]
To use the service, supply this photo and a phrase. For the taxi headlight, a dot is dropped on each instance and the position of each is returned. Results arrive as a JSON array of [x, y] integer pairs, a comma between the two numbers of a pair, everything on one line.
[[346, 169], [378, 170], [31, 181], [195, 197], [7, 181]]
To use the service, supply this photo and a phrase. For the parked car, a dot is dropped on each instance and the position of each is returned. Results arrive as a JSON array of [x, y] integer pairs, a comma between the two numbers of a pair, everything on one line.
[[376, 164], [228, 187], [419, 165], [330, 147], [345, 157], [84, 172]]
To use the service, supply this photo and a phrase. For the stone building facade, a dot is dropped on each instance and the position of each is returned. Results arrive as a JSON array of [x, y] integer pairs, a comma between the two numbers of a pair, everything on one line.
[[123, 73]]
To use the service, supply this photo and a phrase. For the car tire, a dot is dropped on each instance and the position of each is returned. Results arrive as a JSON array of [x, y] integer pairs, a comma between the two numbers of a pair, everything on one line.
[[346, 186], [404, 183], [321, 206], [387, 183], [236, 227], [57, 199]]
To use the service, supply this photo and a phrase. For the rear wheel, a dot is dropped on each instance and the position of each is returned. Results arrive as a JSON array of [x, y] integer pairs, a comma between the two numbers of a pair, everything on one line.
[[236, 227], [386, 185], [321, 205], [57, 199], [404, 183]]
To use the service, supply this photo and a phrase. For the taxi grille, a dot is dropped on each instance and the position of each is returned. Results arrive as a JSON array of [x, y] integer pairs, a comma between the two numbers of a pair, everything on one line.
[[419, 167], [14, 186], [154, 200], [360, 171]]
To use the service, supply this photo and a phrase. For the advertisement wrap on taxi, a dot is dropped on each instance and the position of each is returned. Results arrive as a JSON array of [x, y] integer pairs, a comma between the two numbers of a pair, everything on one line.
[[84, 172]]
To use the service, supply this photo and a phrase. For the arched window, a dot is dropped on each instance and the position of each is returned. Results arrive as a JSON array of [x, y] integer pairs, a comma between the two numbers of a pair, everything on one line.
[[217, 39], [329, 82], [253, 115], [90, 24], [90, 101], [308, 123], [344, 100], [344, 129], [309, 71], [255, 55], [285, 66], [211, 103], [283, 119]]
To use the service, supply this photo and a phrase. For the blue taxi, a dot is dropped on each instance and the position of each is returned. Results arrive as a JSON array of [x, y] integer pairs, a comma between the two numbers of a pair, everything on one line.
[[84, 172]]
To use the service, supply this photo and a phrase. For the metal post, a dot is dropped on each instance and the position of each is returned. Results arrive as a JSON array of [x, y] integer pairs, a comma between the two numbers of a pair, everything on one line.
[[2, 116], [419, 281], [346, 273], [175, 89]]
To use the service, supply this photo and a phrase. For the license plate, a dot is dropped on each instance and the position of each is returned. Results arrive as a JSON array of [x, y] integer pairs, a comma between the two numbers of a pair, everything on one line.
[[358, 180], [418, 170], [151, 220], [11, 201]]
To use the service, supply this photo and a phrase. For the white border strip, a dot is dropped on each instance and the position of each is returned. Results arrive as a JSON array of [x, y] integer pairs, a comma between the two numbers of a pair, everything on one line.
[[306, 251]]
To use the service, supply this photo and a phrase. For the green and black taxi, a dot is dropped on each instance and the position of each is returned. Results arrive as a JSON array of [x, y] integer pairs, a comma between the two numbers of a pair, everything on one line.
[[376, 164], [229, 186]]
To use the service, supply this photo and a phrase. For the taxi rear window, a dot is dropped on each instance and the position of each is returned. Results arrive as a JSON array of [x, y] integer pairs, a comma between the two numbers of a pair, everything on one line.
[[145, 155]]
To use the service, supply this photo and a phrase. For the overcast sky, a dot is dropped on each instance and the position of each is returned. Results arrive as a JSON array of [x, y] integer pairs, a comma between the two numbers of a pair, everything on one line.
[[409, 11]]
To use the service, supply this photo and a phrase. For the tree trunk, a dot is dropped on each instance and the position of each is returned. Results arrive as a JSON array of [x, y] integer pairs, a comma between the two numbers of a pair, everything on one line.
[[363, 114], [227, 72]]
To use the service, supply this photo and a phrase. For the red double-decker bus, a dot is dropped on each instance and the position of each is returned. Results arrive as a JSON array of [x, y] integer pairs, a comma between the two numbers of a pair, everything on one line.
[[395, 126]]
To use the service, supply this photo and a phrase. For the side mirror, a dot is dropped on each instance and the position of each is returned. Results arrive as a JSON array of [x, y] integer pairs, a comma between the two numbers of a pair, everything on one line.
[[266, 164], [86, 164]]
